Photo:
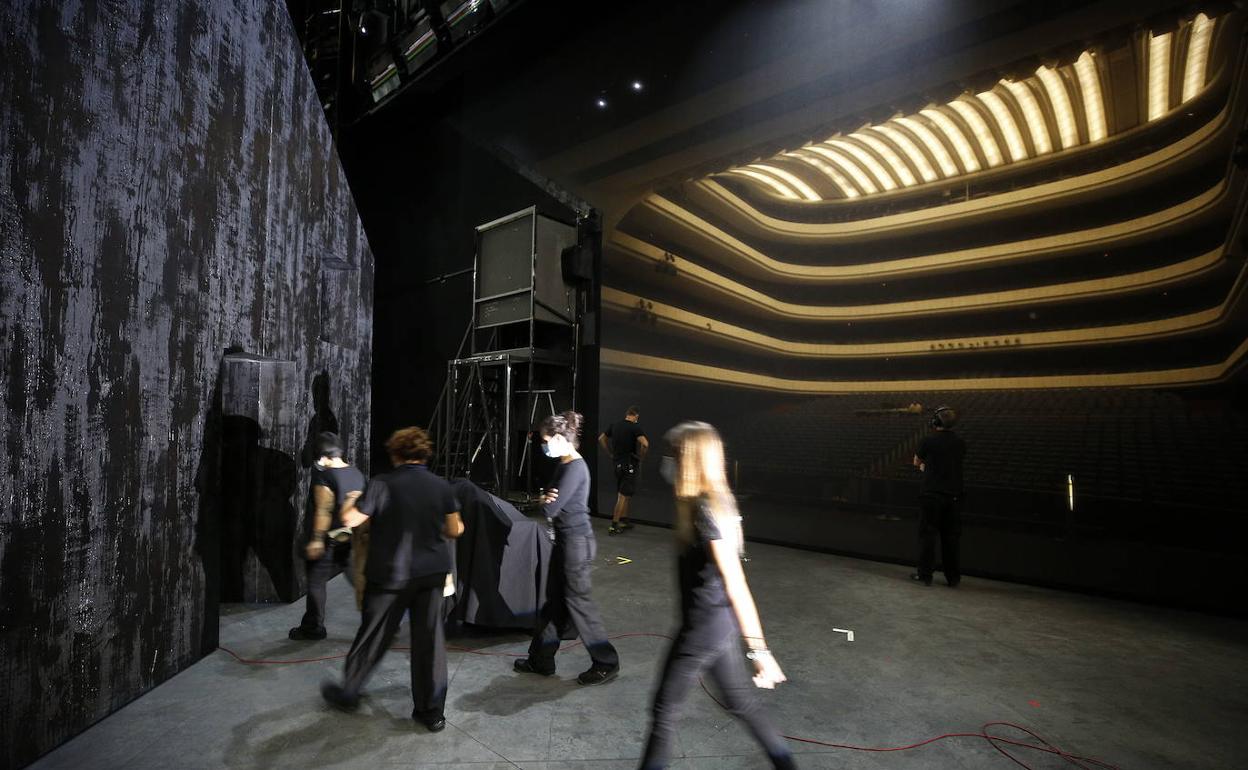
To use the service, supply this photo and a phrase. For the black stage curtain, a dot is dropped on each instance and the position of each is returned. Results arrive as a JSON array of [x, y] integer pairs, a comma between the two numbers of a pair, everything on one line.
[[501, 562]]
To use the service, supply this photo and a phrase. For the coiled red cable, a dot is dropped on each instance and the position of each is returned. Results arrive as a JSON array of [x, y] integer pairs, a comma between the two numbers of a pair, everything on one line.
[[996, 741]]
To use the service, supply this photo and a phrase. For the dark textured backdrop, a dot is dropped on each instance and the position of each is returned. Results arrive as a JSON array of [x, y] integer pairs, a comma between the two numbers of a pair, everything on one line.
[[169, 190]]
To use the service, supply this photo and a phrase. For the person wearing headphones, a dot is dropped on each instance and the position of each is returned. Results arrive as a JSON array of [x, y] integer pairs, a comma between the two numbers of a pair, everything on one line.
[[940, 457]]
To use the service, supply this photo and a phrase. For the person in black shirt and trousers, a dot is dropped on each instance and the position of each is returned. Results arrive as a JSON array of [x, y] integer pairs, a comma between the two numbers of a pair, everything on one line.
[[627, 443], [566, 505], [413, 516], [332, 481], [717, 610], [940, 457]]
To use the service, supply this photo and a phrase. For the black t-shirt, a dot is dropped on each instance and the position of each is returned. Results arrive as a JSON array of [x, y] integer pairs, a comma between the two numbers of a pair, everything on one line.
[[942, 453], [407, 509], [571, 511], [623, 436], [342, 482], [701, 583]]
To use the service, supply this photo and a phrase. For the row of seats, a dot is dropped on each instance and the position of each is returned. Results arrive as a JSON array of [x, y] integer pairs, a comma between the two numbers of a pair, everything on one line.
[[1116, 444]]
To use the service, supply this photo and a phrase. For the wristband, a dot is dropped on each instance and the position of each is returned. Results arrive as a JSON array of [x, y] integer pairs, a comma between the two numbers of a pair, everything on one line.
[[756, 654]]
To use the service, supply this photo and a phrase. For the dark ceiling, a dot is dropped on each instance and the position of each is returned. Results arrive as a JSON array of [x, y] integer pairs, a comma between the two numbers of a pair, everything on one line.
[[722, 82]]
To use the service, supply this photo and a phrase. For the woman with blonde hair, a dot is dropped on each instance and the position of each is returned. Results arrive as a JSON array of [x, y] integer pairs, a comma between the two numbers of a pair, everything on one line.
[[716, 607]]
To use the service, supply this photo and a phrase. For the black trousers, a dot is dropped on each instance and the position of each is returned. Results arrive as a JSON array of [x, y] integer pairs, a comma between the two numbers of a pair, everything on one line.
[[708, 643], [940, 515], [568, 600], [320, 571], [383, 611]]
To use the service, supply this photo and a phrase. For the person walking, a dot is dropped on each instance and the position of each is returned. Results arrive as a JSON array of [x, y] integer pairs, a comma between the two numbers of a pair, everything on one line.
[[413, 515], [717, 610], [566, 505]]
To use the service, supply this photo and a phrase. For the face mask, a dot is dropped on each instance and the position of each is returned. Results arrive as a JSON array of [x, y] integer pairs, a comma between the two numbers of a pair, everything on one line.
[[667, 469], [550, 450]]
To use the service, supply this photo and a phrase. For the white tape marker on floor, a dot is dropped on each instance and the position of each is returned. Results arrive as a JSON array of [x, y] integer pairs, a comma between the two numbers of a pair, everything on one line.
[[849, 635], [624, 560]]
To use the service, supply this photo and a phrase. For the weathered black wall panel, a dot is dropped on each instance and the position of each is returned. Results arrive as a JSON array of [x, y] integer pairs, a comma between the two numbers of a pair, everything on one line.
[[169, 190]]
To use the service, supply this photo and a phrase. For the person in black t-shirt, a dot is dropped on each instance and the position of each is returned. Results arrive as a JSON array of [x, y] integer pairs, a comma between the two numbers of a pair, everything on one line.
[[627, 443], [717, 610], [332, 481], [940, 457], [566, 505], [413, 516]]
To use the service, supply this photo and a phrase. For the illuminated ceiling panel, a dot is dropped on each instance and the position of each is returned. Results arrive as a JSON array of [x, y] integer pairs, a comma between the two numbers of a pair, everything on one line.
[[838, 179], [775, 184], [1033, 117], [1063, 110], [894, 161], [1158, 75], [864, 182], [1197, 56], [803, 189], [954, 134], [981, 131], [910, 149], [1093, 102], [1053, 110], [864, 158], [933, 145]]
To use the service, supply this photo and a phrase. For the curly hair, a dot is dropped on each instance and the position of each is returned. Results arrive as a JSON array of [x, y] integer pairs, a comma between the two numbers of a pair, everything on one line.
[[567, 424], [410, 445]]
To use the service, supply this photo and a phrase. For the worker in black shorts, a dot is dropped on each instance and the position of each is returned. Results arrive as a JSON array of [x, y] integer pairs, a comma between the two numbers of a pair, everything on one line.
[[939, 457], [627, 443]]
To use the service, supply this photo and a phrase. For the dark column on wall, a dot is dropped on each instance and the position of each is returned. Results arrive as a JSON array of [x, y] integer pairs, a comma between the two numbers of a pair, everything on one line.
[[170, 192]]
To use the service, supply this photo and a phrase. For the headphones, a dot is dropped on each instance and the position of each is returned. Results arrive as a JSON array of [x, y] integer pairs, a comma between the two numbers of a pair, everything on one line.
[[943, 422]]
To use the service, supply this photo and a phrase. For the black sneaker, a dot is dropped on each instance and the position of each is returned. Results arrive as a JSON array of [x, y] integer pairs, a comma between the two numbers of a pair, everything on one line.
[[626, 524], [916, 577], [299, 633], [596, 675], [525, 666], [954, 582], [335, 696], [434, 721], [614, 529]]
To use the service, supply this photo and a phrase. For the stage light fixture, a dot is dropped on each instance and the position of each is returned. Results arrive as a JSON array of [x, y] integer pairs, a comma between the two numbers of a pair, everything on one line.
[[638, 85], [600, 103]]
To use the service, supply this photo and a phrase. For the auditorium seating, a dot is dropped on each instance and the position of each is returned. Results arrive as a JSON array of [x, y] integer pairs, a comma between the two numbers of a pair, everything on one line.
[[1124, 444]]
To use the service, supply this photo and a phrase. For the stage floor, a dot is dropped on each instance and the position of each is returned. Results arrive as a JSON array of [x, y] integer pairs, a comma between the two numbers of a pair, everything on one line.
[[1128, 684]]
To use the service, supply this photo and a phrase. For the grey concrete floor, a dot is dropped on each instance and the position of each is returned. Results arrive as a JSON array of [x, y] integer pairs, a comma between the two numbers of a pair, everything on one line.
[[1128, 684]]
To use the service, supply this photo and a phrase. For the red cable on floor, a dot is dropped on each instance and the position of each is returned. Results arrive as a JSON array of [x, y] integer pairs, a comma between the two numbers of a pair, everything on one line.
[[983, 734]]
